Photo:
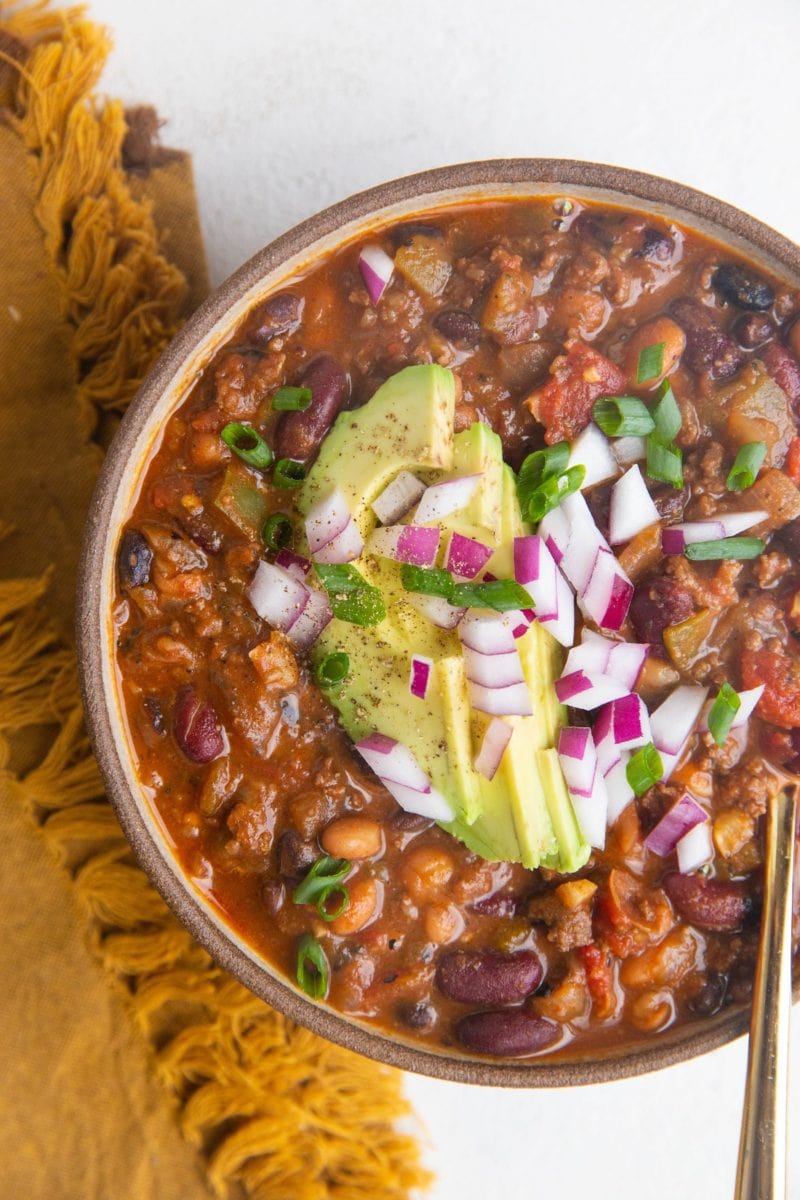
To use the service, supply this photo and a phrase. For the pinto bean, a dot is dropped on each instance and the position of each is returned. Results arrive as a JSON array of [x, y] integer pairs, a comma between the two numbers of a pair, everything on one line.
[[663, 330], [299, 434], [506, 1032], [278, 315], [658, 603], [663, 965], [352, 837], [196, 727], [707, 347], [716, 904], [486, 977], [753, 330], [134, 559], [784, 369], [742, 287], [458, 326], [365, 900]]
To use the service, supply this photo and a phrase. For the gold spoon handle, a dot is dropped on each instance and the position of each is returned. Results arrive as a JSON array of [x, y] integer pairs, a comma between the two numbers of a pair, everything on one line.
[[761, 1171]]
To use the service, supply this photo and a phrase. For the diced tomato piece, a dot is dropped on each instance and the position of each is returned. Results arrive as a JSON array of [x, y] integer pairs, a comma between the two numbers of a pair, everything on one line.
[[792, 465], [578, 378], [780, 673], [599, 968]]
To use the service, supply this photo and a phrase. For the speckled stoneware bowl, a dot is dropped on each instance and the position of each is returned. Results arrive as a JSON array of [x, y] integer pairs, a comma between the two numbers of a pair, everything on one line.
[[160, 395]]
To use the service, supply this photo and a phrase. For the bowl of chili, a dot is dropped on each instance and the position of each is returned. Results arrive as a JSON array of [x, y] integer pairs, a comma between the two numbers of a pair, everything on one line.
[[632, 347]]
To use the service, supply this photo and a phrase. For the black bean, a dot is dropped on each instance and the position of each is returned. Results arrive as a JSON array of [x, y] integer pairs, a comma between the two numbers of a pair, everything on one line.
[[708, 348], [669, 502], [290, 708], [487, 977], [278, 315], [753, 330], [506, 1032], [458, 326], [134, 559], [410, 822], [657, 245], [294, 855], [403, 235], [273, 893], [711, 996], [790, 537], [155, 712], [417, 1016], [743, 287]]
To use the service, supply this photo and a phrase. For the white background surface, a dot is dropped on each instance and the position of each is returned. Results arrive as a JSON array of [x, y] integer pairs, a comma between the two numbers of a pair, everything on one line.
[[288, 107]]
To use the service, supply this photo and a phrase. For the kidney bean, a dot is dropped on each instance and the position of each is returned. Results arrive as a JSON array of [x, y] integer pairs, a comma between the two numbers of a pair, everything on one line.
[[295, 855], [784, 369], [657, 245], [299, 434], [134, 559], [486, 977], [458, 326], [658, 603], [753, 330], [196, 727], [278, 315], [716, 904], [403, 235], [742, 287], [506, 1032], [707, 347], [497, 905]]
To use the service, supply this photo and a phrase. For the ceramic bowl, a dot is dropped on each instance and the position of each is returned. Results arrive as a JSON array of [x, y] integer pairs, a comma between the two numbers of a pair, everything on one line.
[[163, 391]]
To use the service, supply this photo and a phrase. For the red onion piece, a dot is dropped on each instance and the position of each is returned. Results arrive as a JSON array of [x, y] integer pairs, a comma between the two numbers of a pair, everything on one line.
[[629, 450], [312, 620], [632, 508], [436, 609], [673, 721], [430, 804], [414, 544], [398, 498], [748, 701], [346, 546], [488, 635], [496, 737], [554, 529], [326, 520], [420, 676], [295, 564], [607, 596], [578, 758], [676, 538], [442, 499], [393, 762], [592, 812], [466, 557], [536, 569], [376, 270], [587, 691], [592, 450], [493, 670], [513, 701], [585, 542], [277, 596], [620, 792], [625, 721], [695, 849], [682, 816], [608, 656]]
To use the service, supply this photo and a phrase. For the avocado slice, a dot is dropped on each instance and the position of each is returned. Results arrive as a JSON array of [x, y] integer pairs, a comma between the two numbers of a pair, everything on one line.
[[521, 814]]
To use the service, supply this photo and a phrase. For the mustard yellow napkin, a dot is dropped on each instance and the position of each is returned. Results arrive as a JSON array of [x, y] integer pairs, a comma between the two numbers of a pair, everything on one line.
[[129, 1065]]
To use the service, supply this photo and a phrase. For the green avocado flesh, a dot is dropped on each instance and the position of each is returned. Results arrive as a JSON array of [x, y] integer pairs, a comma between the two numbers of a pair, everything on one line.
[[524, 814]]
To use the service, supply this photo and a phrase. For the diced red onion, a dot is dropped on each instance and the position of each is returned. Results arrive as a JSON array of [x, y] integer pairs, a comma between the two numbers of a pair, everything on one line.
[[632, 508], [629, 450], [586, 691], [592, 812], [676, 538], [585, 541], [673, 721], [513, 701], [608, 656], [487, 635], [430, 803], [592, 450], [620, 792], [607, 596], [393, 762], [535, 568], [295, 564], [679, 818], [578, 758], [398, 498], [312, 620], [695, 849], [625, 721], [493, 670], [436, 609], [554, 530], [376, 270], [466, 557], [420, 676], [346, 546], [277, 596], [747, 702], [416, 544], [333, 536], [442, 499], [495, 740]]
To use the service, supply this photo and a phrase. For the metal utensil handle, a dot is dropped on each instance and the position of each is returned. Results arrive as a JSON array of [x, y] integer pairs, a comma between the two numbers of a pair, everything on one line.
[[761, 1171]]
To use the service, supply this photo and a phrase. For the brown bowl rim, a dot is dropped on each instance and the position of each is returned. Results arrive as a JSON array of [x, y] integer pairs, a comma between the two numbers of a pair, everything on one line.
[[628, 187]]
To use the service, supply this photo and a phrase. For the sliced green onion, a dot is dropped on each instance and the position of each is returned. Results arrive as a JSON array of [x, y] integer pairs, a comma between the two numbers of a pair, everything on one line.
[[664, 462], [278, 532], [323, 898], [644, 769], [333, 669], [502, 595], [291, 399], [549, 494], [722, 713], [666, 414], [428, 581], [735, 547], [622, 416], [288, 473], [313, 973], [651, 363], [746, 465], [324, 873], [545, 464], [352, 598], [248, 444]]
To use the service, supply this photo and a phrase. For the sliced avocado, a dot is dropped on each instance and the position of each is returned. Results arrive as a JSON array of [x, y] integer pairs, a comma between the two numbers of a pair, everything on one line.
[[407, 425], [572, 849], [478, 450]]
